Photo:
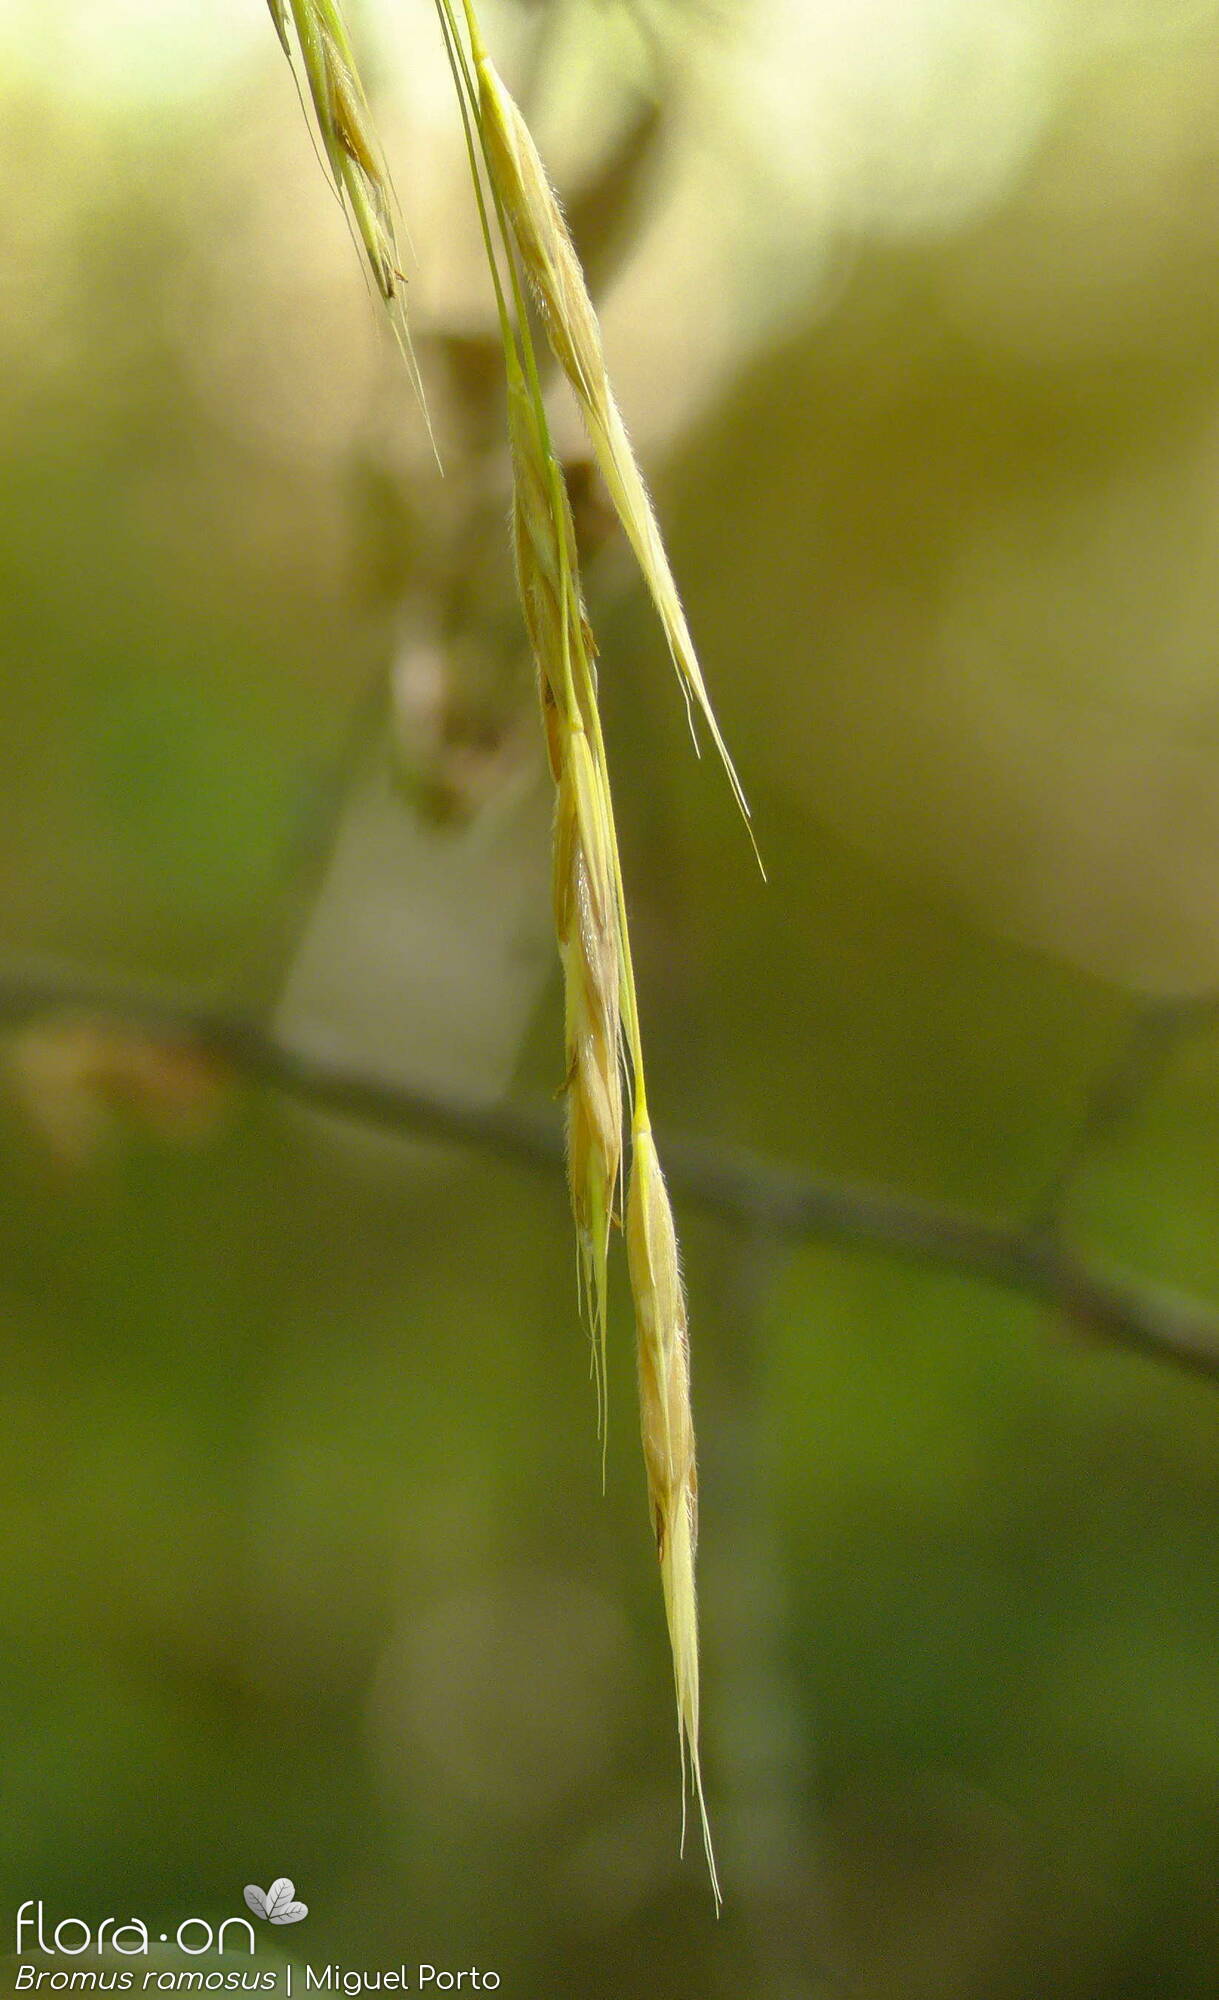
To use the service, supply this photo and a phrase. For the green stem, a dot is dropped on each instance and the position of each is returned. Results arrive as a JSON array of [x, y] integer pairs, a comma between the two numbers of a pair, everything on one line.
[[467, 105], [478, 47]]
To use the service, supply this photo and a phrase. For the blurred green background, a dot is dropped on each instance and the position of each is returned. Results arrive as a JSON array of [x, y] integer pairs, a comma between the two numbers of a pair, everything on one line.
[[306, 1569]]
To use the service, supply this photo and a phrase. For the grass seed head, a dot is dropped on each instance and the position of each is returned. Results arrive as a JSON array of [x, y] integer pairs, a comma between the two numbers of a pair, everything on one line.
[[586, 921], [663, 1348], [585, 856], [554, 271], [537, 541], [668, 1434], [352, 149], [588, 902], [541, 234]]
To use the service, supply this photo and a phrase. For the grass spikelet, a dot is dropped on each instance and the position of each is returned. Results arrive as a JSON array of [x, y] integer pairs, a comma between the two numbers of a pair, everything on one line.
[[549, 257], [352, 149], [586, 889], [543, 542], [586, 922], [668, 1435]]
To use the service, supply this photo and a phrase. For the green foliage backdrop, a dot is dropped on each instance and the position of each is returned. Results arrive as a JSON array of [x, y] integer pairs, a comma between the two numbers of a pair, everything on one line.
[[306, 1568]]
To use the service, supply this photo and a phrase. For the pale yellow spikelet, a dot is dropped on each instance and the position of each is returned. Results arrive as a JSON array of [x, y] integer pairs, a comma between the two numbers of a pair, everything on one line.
[[352, 149], [550, 259], [541, 234], [586, 923], [543, 540], [586, 899], [668, 1434]]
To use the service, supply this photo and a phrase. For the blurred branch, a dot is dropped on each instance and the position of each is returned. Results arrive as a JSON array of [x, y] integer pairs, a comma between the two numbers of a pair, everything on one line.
[[1031, 1259], [1142, 1055]]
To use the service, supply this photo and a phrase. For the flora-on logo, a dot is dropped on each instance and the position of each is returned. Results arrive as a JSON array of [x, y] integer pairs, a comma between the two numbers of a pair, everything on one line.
[[278, 1904], [71, 1937]]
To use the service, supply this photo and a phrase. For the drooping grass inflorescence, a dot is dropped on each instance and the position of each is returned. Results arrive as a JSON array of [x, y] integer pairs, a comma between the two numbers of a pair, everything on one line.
[[530, 250]]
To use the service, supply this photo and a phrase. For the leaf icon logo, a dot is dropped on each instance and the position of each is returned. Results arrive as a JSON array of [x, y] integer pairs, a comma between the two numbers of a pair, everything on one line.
[[278, 1904]]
